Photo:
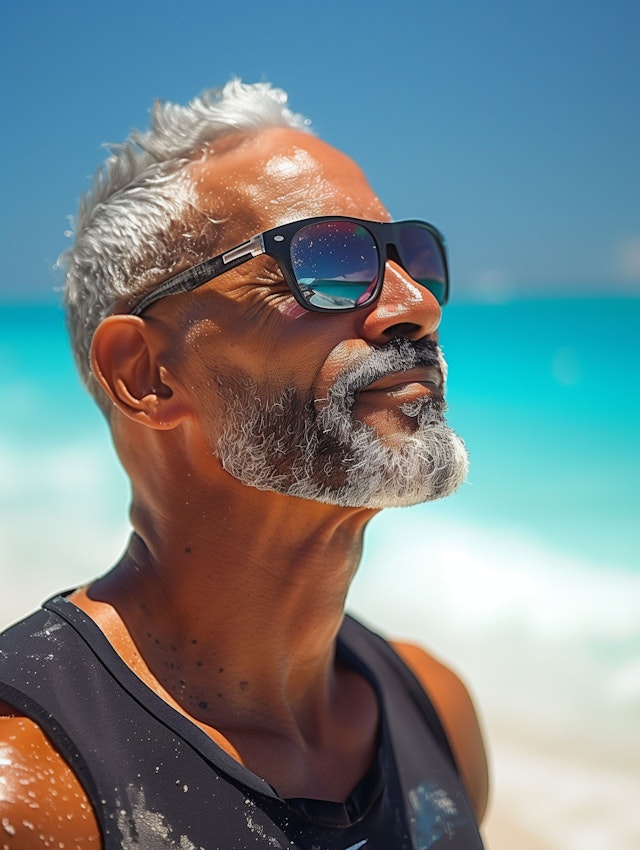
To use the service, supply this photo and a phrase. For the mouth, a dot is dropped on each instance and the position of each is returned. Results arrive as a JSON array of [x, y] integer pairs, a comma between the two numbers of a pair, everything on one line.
[[419, 379]]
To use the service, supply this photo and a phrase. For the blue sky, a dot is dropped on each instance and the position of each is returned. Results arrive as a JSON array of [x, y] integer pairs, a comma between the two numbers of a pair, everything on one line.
[[514, 126]]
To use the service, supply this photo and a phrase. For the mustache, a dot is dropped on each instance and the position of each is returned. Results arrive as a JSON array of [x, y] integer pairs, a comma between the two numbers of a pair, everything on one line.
[[398, 355]]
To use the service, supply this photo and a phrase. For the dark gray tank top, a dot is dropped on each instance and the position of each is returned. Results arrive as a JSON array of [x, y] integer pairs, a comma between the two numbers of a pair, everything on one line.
[[157, 781]]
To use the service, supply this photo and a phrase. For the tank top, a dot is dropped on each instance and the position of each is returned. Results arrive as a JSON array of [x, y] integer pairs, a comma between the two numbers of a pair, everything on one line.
[[157, 781]]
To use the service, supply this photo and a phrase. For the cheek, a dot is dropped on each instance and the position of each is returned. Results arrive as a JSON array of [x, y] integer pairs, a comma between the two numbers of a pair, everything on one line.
[[280, 345], [345, 355]]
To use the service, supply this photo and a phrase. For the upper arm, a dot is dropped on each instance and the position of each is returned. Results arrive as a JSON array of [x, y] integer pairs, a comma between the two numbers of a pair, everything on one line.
[[458, 715], [41, 801]]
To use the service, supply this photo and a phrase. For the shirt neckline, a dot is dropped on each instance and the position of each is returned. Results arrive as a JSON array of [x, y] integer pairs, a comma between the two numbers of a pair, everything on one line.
[[323, 812]]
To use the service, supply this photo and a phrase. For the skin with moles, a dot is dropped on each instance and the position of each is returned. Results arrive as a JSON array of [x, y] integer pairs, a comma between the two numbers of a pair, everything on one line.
[[213, 560]]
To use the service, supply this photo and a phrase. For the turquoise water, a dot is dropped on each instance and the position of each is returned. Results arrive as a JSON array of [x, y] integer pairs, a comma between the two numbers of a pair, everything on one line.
[[547, 394]]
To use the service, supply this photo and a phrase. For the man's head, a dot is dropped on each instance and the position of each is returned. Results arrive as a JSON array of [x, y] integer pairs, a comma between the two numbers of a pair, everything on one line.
[[341, 407]]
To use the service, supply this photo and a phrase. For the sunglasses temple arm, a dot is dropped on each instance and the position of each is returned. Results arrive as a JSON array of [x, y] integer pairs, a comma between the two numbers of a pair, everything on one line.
[[197, 275]]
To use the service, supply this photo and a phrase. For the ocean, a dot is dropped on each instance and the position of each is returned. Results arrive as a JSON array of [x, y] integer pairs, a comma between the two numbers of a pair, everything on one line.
[[527, 579]]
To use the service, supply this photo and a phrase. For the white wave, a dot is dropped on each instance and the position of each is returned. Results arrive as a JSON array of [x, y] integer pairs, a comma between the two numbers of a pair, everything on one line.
[[541, 634], [64, 520], [497, 579]]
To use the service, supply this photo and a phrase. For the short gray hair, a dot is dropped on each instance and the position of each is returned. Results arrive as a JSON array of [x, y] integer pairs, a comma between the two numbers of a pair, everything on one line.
[[139, 222]]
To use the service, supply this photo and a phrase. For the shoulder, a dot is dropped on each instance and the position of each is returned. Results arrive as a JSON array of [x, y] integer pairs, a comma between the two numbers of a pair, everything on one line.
[[41, 800], [455, 707]]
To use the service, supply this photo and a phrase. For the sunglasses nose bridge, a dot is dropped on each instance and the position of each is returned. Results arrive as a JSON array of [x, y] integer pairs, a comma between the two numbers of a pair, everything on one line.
[[392, 254]]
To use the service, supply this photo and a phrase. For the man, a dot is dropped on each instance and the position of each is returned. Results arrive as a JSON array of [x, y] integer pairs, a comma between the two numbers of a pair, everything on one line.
[[263, 344]]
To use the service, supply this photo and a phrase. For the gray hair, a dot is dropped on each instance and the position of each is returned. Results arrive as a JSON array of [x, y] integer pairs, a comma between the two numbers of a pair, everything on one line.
[[140, 220]]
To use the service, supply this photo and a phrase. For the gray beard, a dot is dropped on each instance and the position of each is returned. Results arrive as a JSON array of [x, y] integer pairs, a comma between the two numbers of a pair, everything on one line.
[[284, 444]]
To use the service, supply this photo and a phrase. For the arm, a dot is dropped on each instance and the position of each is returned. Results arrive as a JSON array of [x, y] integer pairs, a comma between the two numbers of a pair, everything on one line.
[[41, 800], [458, 716]]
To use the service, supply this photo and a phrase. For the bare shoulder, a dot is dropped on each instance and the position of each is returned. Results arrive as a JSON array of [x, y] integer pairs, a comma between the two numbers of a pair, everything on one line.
[[41, 801], [457, 712]]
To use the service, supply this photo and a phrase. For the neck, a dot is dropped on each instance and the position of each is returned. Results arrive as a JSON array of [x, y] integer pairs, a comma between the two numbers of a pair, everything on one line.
[[239, 608]]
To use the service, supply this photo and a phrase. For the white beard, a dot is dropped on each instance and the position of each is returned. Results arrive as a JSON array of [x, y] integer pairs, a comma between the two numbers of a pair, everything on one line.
[[285, 445]]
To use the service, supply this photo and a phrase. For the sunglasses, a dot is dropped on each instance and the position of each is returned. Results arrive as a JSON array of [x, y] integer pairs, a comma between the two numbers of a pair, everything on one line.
[[330, 263]]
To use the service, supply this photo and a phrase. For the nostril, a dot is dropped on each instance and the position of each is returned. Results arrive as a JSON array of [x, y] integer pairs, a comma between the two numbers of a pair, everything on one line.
[[403, 329]]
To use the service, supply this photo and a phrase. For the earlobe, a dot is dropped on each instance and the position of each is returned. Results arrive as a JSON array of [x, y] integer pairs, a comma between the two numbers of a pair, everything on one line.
[[124, 362]]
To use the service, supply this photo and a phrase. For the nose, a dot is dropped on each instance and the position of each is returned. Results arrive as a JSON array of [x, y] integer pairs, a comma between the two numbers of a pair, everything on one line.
[[404, 308]]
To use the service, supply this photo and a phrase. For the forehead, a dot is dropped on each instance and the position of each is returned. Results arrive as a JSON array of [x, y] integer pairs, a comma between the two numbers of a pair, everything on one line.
[[250, 183]]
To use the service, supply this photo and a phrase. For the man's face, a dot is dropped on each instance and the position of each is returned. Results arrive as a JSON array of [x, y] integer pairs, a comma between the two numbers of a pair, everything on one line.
[[345, 408]]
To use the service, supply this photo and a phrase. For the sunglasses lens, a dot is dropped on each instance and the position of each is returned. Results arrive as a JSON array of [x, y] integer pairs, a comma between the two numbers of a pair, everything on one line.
[[335, 263], [422, 257]]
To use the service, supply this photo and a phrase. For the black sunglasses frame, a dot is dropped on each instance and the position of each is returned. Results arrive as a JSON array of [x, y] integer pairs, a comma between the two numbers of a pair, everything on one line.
[[276, 243]]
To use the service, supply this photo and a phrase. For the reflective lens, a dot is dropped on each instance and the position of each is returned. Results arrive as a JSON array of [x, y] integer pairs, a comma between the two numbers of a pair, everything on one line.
[[335, 263], [421, 257]]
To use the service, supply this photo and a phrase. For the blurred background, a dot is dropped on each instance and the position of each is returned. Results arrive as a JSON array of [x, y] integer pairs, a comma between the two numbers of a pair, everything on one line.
[[515, 128]]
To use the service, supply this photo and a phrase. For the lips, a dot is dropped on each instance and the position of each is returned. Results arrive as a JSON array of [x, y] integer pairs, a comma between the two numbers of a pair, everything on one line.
[[429, 377]]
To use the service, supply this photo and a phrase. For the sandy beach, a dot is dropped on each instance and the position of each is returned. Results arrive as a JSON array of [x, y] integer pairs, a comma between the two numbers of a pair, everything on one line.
[[550, 795]]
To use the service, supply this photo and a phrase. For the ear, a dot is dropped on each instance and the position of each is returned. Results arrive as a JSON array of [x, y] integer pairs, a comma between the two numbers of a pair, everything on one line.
[[124, 360]]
